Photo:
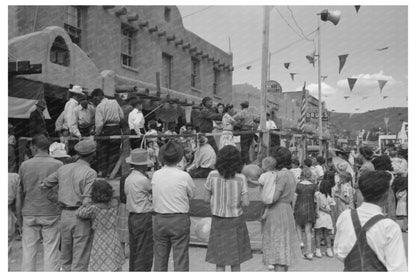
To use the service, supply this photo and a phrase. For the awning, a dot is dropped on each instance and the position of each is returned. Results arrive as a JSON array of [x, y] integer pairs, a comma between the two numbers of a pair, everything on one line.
[[23, 95]]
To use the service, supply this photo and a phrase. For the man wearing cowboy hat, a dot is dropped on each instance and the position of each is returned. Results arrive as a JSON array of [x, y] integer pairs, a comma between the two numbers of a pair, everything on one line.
[[74, 183], [204, 161], [172, 188], [37, 123], [138, 191]]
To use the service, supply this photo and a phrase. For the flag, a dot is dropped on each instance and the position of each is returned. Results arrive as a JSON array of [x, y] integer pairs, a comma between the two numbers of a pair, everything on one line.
[[292, 75], [342, 60], [381, 84], [323, 78], [248, 67], [287, 65], [303, 108], [384, 97], [351, 82], [357, 8], [311, 58], [346, 97]]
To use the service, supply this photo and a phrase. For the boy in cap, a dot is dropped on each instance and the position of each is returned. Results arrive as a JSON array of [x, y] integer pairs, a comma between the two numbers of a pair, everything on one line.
[[37, 124], [74, 183], [138, 191], [366, 240], [172, 188]]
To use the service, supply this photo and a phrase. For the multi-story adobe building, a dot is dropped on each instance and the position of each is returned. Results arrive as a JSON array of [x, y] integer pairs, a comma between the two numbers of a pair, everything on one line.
[[115, 48]]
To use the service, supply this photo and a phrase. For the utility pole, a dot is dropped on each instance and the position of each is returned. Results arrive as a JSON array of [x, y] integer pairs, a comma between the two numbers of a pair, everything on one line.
[[319, 87], [264, 65]]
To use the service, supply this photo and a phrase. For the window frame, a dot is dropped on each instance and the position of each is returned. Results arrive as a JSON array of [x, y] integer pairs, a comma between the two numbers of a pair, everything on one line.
[[127, 56], [215, 85], [195, 72], [166, 56], [59, 47], [74, 14]]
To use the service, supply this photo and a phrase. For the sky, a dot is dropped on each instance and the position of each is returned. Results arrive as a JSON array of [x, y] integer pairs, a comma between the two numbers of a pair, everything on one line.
[[356, 34]]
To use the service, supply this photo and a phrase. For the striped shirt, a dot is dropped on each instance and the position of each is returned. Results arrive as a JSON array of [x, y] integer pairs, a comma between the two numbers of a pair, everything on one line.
[[226, 194]]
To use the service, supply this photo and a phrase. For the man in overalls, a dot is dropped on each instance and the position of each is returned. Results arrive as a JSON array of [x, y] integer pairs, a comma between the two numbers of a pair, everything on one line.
[[366, 240]]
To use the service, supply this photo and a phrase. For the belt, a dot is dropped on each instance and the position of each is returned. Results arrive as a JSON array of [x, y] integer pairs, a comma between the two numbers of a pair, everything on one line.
[[170, 213], [70, 208], [112, 124]]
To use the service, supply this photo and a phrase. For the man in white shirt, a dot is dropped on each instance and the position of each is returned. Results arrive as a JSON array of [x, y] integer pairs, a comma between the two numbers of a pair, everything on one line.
[[172, 188], [136, 123], [69, 121], [204, 159], [85, 118], [270, 125], [381, 248]]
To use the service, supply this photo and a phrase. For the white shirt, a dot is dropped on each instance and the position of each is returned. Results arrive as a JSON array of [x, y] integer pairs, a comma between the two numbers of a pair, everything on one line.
[[205, 157], [172, 188], [70, 122], [319, 171], [138, 193], [268, 188], [270, 125], [136, 120], [385, 237], [296, 172]]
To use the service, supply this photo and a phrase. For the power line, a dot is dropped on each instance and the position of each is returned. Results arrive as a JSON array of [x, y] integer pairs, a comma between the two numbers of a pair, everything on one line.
[[198, 11], [287, 23], [297, 25]]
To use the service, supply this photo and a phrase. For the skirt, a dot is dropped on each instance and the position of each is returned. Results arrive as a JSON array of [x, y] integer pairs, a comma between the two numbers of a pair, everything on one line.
[[122, 223], [280, 243], [229, 242]]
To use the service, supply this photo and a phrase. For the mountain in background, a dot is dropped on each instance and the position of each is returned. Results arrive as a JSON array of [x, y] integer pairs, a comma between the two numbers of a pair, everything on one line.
[[338, 122]]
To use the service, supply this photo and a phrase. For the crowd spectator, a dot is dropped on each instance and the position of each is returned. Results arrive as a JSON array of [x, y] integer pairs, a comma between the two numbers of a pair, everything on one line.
[[204, 159], [37, 123], [206, 118]]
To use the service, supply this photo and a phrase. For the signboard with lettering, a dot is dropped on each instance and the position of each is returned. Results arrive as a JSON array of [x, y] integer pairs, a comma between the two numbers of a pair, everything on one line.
[[315, 115], [273, 87]]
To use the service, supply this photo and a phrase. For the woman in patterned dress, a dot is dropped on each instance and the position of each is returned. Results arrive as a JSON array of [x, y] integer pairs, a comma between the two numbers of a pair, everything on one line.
[[106, 252], [227, 127], [280, 243]]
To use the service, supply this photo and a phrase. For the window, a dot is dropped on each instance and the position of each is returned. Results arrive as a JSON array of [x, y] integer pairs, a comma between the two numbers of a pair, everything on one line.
[[59, 52], [73, 25], [127, 46], [216, 81], [166, 70], [195, 73], [167, 14]]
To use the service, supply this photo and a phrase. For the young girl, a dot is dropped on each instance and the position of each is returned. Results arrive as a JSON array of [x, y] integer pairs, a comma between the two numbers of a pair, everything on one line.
[[305, 209], [152, 145], [227, 192], [343, 194], [106, 251], [323, 224]]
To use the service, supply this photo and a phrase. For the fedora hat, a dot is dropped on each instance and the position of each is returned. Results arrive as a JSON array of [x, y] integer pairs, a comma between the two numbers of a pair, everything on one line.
[[76, 89], [41, 103], [139, 156], [171, 152], [57, 150]]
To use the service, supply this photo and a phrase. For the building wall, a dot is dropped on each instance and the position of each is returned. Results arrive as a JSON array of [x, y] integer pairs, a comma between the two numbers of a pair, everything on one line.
[[101, 40]]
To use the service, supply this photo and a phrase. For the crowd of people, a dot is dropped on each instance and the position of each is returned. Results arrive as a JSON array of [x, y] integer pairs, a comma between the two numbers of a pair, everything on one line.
[[334, 207]]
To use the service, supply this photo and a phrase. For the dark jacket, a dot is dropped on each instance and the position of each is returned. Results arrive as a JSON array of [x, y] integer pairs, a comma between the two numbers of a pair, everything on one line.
[[37, 123], [206, 118]]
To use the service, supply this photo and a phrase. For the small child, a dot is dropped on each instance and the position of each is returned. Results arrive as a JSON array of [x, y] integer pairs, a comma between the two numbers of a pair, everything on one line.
[[106, 251], [323, 224], [343, 194], [304, 210], [268, 165], [152, 145]]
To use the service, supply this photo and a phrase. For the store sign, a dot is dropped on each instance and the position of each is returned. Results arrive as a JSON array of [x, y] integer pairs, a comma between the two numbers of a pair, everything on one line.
[[315, 115], [273, 87]]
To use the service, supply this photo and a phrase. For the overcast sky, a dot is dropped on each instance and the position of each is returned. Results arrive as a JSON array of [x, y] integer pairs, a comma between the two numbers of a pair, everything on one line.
[[357, 34]]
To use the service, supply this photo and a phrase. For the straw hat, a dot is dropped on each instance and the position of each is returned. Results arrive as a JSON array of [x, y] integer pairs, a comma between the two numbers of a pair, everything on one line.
[[139, 156], [76, 89]]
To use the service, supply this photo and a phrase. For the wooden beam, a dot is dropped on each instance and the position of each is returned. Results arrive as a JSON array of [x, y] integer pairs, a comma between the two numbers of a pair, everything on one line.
[[193, 49], [144, 24], [186, 46], [121, 11], [205, 56], [179, 42], [153, 29], [161, 34], [133, 17], [108, 7], [170, 38], [199, 53]]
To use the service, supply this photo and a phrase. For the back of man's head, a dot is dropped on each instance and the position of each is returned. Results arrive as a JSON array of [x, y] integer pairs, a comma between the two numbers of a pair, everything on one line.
[[307, 162], [97, 92], [374, 185], [41, 142]]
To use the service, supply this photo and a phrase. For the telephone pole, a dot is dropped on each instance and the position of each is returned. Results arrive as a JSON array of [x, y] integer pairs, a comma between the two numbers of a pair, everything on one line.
[[264, 66]]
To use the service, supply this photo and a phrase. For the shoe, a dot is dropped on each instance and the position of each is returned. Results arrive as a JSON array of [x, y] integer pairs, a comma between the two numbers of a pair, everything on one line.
[[270, 267], [302, 245], [318, 253], [329, 252], [308, 256]]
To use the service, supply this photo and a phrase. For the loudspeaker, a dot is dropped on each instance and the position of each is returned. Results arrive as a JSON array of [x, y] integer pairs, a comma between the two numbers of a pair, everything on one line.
[[332, 16]]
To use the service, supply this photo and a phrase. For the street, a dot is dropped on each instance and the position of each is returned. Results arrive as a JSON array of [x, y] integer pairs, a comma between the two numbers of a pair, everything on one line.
[[198, 264]]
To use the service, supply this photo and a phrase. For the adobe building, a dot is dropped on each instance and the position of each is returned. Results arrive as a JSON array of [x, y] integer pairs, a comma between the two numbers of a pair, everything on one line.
[[118, 49]]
